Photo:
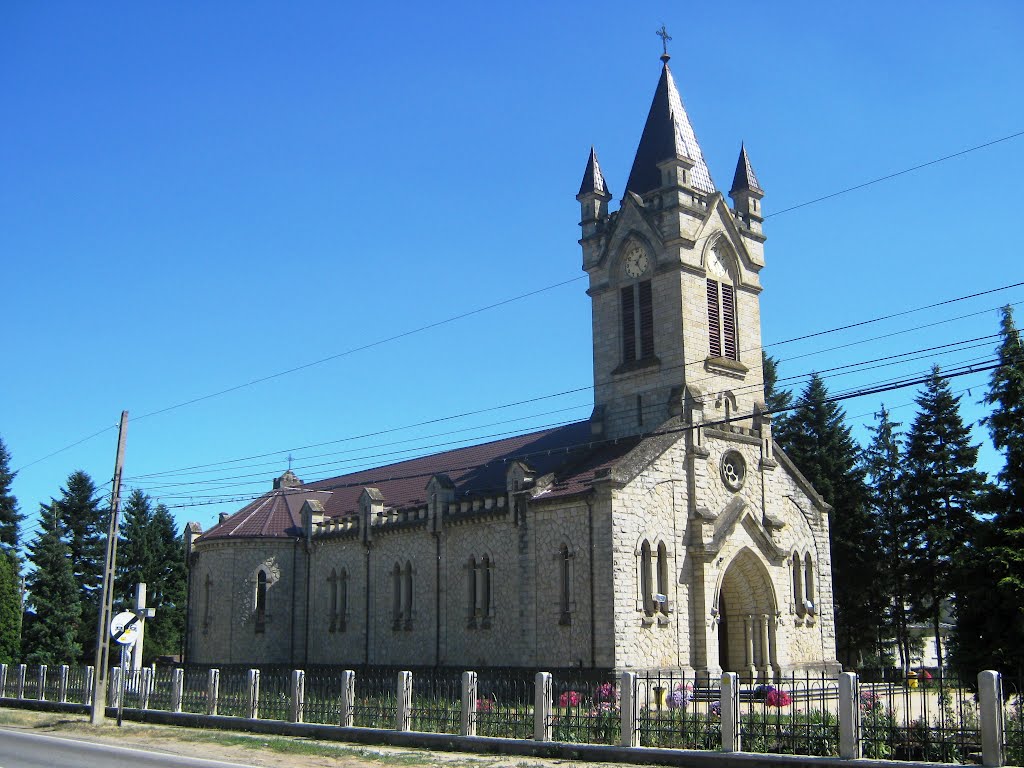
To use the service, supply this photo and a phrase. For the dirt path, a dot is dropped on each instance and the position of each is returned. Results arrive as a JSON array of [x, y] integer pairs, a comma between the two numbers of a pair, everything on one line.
[[259, 750]]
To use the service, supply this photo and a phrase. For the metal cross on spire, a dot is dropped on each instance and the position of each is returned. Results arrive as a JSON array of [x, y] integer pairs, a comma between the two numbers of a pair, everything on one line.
[[665, 37], [289, 462]]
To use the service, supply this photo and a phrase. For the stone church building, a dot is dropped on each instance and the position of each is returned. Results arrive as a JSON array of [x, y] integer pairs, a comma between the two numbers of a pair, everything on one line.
[[668, 531]]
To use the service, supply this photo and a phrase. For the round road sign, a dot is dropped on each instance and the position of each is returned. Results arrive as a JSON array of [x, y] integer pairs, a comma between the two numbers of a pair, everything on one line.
[[124, 628]]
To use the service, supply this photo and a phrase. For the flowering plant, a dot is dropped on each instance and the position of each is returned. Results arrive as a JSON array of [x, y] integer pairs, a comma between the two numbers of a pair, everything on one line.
[[777, 698], [606, 692], [681, 696], [570, 699], [869, 701], [484, 705], [715, 709]]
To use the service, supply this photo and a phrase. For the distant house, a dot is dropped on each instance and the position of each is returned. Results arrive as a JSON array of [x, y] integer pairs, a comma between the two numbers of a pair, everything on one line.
[[668, 531]]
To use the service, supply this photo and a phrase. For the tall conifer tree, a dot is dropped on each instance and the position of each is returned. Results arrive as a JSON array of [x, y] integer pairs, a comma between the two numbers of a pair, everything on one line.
[[84, 526], [10, 612], [9, 516], [52, 623], [776, 400], [150, 551], [882, 461], [942, 491], [990, 626], [821, 446]]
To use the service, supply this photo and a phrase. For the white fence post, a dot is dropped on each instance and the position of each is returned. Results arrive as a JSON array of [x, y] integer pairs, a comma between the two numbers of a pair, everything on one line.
[[3, 680], [177, 688], [21, 681], [730, 703], [403, 712], [849, 716], [629, 709], [348, 698], [62, 683], [114, 689], [90, 672], [542, 706], [254, 694], [146, 686], [298, 695], [42, 683], [469, 696], [212, 691], [990, 702]]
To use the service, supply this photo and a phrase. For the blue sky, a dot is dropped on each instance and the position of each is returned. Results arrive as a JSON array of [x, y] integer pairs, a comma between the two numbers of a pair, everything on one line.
[[197, 196]]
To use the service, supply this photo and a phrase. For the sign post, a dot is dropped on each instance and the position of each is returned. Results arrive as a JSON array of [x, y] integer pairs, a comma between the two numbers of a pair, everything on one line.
[[124, 629]]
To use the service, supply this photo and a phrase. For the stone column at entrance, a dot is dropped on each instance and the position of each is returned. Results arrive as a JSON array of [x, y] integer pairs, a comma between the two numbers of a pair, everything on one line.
[[749, 649], [773, 639], [765, 666]]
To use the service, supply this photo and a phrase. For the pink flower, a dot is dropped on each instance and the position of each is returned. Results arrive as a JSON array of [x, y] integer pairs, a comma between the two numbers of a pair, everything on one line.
[[484, 705], [776, 698], [569, 699]]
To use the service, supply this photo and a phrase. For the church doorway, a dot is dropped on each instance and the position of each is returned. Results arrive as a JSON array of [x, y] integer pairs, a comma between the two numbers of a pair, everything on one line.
[[746, 620]]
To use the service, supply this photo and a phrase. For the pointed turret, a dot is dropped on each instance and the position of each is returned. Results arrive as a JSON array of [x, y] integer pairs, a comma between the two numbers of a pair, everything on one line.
[[668, 143], [593, 197], [746, 192]]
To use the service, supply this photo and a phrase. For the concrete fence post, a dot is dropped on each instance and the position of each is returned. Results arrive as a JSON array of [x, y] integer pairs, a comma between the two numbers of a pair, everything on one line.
[[469, 706], [114, 688], [254, 694], [849, 716], [41, 693], [212, 691], [145, 687], [542, 706], [403, 712], [21, 681], [990, 704], [730, 703], [629, 709], [3, 680], [298, 695], [90, 678], [177, 688], [348, 698], [62, 683]]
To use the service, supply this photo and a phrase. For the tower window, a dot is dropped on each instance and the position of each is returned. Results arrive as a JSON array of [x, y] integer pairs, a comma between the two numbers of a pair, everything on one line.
[[261, 600], [722, 320], [637, 321]]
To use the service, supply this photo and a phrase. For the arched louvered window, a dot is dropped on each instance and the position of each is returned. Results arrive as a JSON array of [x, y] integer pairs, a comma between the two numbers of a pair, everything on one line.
[[565, 584], [637, 312], [722, 320], [407, 595]]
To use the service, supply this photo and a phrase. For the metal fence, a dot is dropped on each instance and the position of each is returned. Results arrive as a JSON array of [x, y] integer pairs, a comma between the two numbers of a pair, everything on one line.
[[935, 719]]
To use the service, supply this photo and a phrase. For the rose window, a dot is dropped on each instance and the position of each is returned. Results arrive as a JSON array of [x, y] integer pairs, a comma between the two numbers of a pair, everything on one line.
[[734, 470]]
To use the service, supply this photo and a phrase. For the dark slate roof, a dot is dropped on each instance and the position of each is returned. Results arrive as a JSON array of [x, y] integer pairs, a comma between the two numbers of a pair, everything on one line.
[[744, 178], [566, 451], [593, 179], [667, 134]]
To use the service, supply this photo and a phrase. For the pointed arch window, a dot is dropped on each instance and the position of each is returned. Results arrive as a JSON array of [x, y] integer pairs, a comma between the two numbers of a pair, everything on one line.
[[207, 604], [565, 579], [798, 584], [662, 596], [809, 584], [647, 578], [261, 600]]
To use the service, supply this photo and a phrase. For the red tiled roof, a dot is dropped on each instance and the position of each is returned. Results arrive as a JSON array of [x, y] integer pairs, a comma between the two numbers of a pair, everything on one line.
[[568, 451]]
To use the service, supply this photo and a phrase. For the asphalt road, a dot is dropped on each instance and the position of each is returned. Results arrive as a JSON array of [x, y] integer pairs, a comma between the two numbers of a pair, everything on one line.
[[19, 749]]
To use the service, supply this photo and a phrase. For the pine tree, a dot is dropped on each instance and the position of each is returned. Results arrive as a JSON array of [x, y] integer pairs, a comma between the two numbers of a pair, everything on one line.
[[882, 462], [151, 552], [10, 611], [776, 400], [990, 627], [84, 528], [821, 446], [942, 491], [50, 634], [9, 517]]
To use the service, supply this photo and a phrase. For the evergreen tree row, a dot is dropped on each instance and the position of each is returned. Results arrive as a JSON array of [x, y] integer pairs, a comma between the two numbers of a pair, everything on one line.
[[58, 621]]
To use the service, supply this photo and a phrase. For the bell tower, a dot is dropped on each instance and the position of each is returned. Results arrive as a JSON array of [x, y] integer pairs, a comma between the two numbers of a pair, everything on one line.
[[674, 281]]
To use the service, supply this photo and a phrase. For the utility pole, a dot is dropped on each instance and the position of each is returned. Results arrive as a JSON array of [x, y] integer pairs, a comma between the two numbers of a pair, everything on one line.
[[99, 690]]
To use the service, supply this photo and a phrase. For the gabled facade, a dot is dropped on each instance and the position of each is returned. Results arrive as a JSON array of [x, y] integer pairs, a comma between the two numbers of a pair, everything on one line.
[[666, 532]]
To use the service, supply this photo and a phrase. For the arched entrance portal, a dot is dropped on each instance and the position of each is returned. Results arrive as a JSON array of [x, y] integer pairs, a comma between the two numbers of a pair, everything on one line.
[[746, 628]]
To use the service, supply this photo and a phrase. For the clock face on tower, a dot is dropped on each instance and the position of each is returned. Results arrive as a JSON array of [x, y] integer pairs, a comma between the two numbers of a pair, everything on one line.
[[637, 261]]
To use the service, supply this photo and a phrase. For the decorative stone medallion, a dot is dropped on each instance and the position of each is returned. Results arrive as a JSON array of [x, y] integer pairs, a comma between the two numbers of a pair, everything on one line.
[[734, 470]]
